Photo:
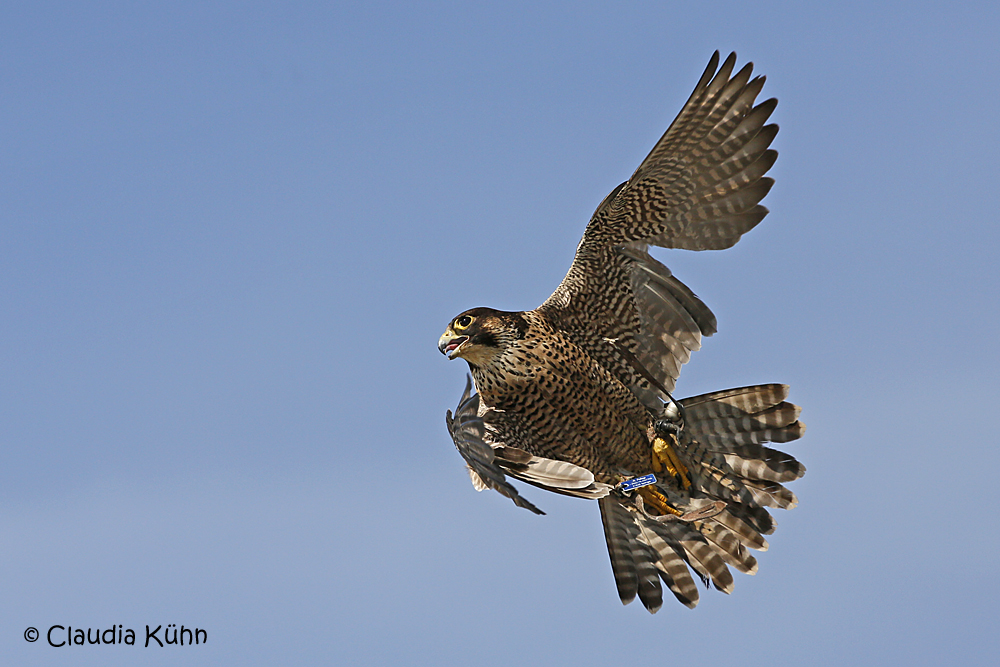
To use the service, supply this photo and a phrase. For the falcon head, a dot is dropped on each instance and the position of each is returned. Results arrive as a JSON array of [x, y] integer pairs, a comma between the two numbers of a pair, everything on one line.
[[480, 335]]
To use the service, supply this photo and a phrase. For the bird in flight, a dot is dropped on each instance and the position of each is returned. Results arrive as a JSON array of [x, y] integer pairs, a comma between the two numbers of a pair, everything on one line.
[[575, 396]]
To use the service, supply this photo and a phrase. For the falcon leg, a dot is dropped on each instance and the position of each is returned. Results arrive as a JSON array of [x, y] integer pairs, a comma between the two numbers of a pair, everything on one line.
[[657, 500], [664, 456]]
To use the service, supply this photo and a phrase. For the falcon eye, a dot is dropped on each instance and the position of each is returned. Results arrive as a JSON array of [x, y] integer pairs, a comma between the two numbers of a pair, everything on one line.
[[463, 322]]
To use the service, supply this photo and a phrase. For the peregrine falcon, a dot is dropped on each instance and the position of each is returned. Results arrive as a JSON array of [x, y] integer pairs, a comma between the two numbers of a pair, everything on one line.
[[575, 396]]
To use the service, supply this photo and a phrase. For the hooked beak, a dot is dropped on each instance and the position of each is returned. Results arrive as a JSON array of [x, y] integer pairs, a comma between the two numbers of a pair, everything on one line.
[[450, 343]]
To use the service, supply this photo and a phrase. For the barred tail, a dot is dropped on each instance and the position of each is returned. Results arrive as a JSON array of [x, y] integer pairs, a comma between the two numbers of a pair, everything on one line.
[[722, 445]]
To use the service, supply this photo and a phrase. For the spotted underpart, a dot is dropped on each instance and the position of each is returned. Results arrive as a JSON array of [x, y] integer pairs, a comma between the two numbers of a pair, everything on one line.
[[568, 394], [550, 398]]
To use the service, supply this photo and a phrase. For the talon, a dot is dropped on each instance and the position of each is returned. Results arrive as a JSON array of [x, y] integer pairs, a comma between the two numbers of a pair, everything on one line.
[[665, 456], [657, 500]]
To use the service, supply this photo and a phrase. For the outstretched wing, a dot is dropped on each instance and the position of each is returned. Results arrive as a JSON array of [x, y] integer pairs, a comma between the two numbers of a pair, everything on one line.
[[698, 189]]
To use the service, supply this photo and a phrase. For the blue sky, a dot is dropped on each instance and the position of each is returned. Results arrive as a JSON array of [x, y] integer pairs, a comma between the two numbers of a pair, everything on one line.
[[231, 234]]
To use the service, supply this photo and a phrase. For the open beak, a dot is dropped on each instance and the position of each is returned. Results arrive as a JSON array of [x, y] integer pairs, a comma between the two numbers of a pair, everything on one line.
[[449, 343]]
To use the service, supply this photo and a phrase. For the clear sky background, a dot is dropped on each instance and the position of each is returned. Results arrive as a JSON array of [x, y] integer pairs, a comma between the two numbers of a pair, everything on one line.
[[231, 234]]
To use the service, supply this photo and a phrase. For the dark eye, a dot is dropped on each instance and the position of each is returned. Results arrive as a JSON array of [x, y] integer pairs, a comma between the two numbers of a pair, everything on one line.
[[463, 322]]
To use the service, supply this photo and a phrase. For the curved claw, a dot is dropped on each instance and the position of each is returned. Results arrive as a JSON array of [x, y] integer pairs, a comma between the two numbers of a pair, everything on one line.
[[653, 497]]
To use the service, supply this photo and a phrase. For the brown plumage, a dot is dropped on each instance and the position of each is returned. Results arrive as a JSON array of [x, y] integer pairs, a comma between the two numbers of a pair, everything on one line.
[[573, 396]]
